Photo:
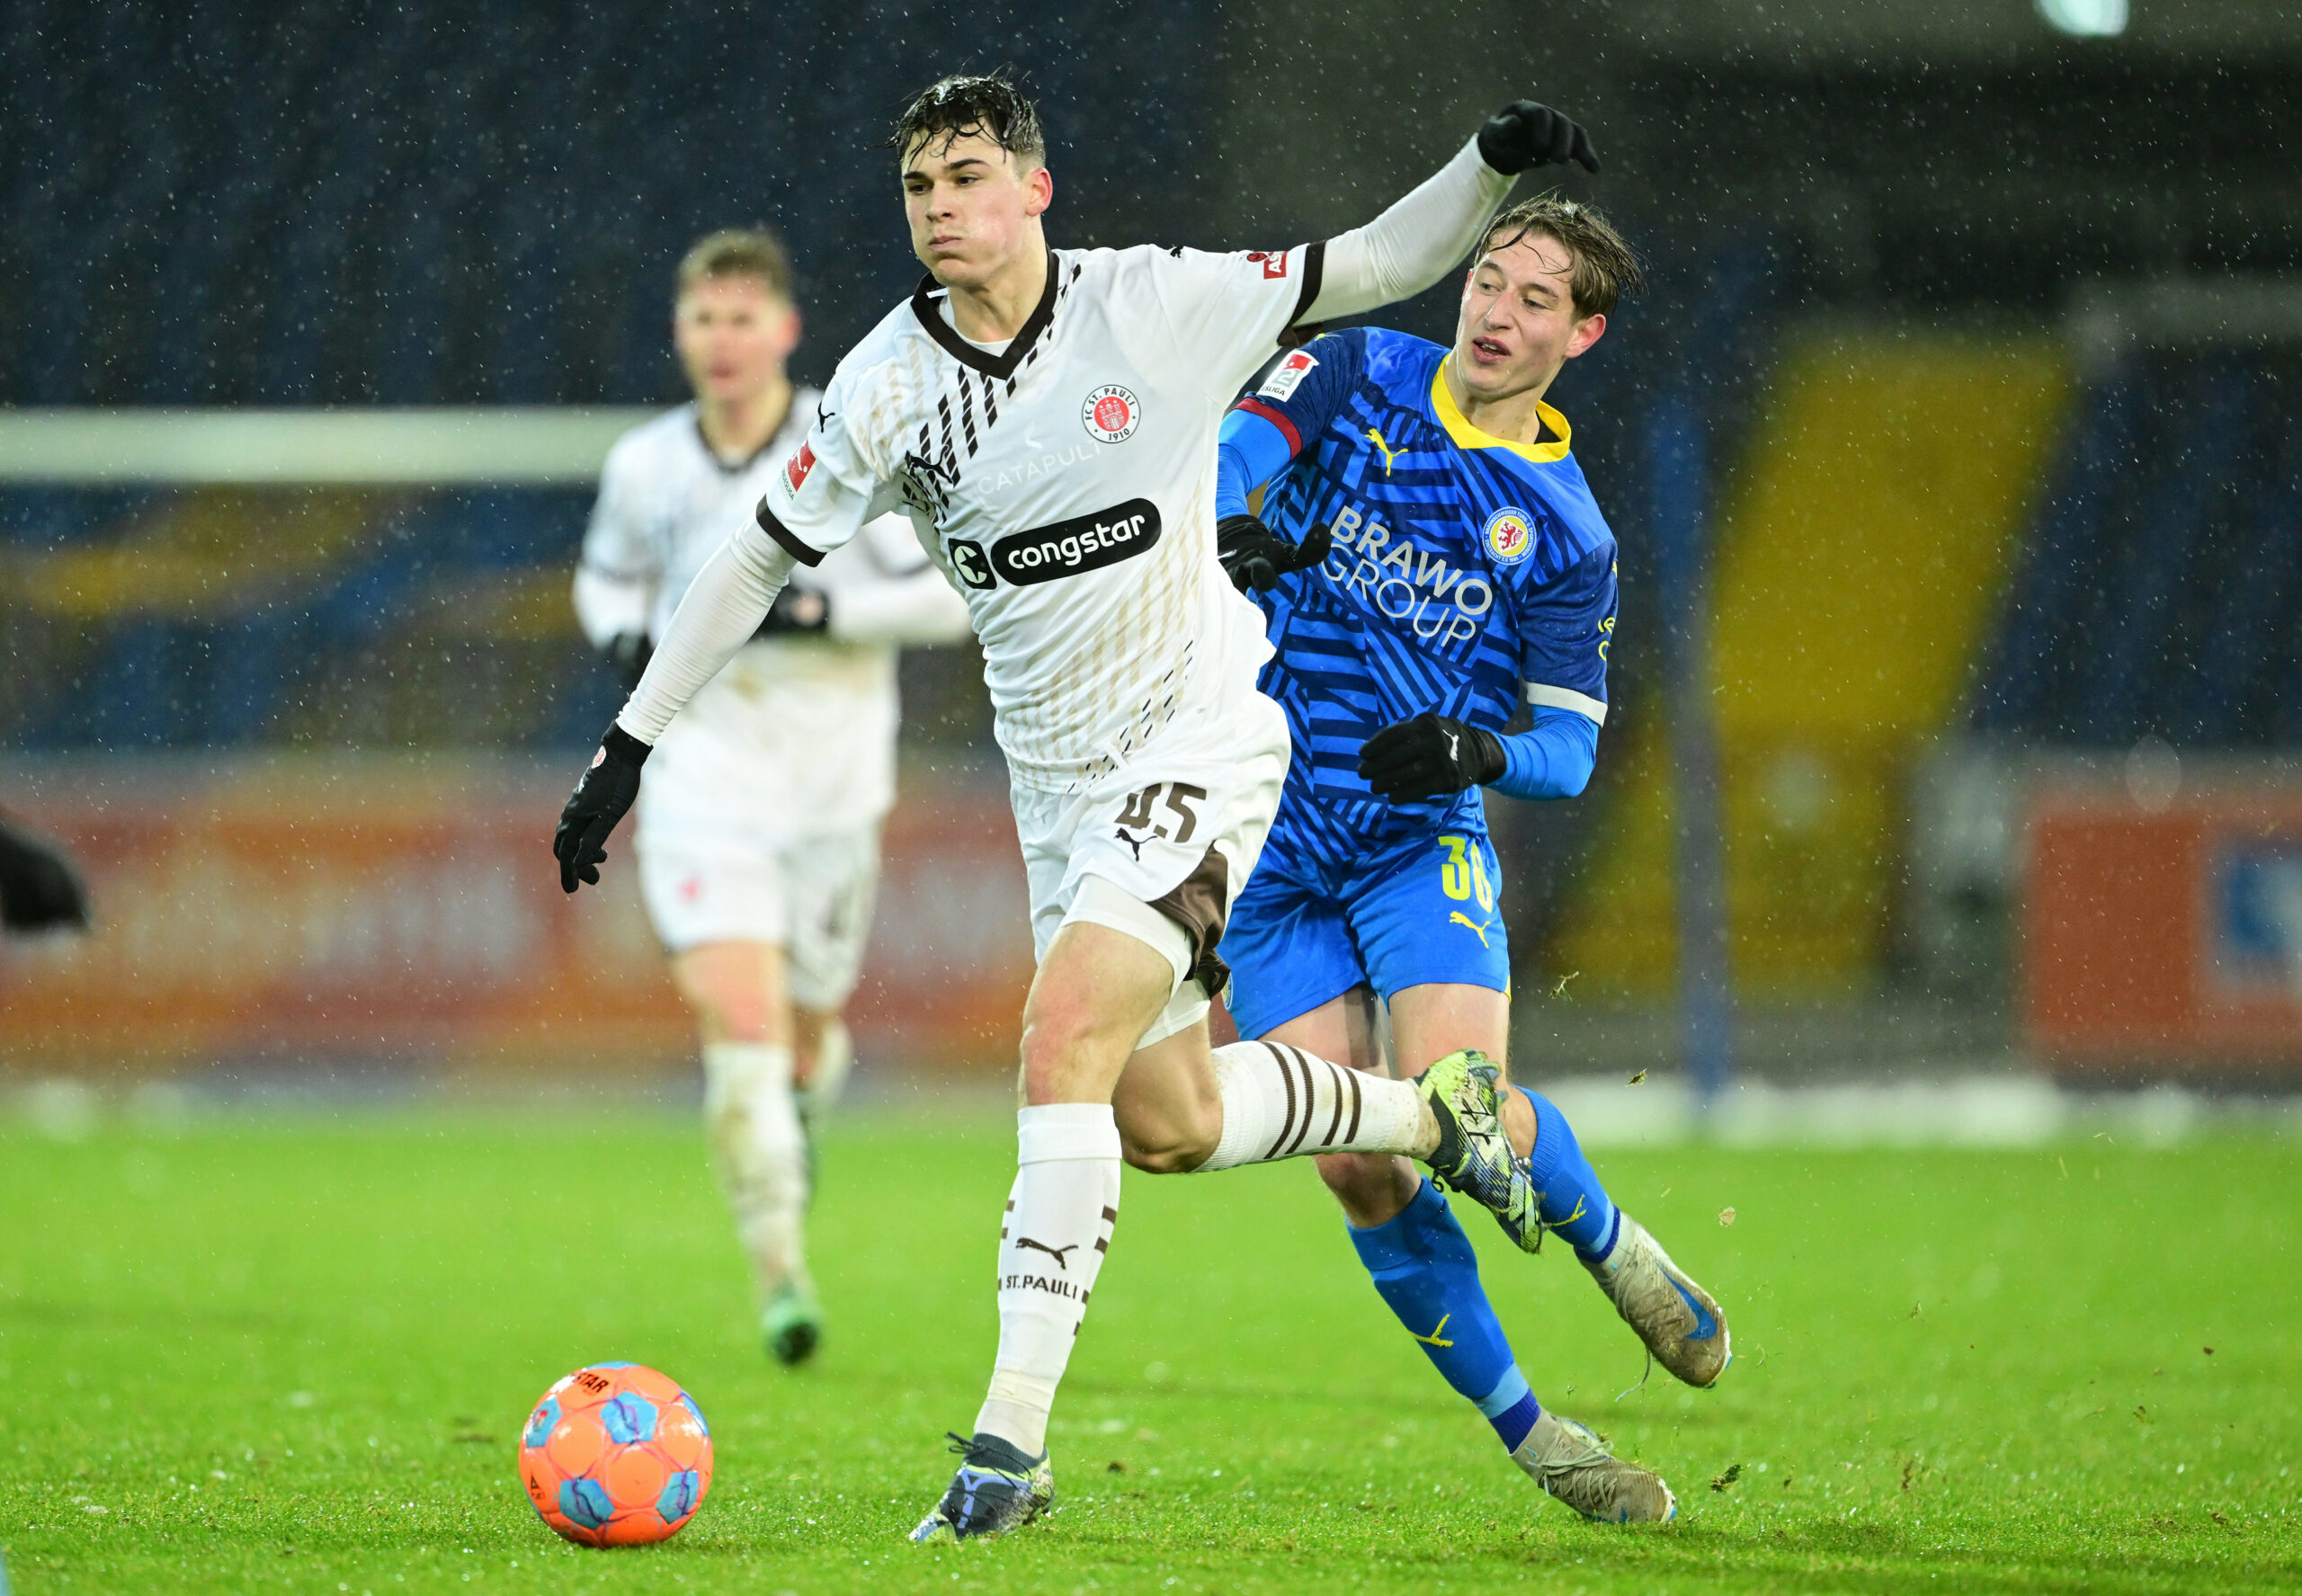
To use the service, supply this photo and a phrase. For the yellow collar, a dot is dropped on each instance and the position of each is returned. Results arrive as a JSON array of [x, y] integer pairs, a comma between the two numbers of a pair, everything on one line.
[[1467, 436]]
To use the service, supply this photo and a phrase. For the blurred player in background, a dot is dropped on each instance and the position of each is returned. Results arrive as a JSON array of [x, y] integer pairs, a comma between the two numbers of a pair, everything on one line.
[[759, 838], [1049, 417], [1427, 547]]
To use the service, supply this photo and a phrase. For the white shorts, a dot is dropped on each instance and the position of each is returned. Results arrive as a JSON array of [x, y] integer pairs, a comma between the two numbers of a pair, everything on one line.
[[811, 896], [1160, 848]]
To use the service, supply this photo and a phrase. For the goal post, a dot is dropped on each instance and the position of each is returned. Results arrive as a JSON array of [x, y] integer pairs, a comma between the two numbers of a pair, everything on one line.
[[433, 447]]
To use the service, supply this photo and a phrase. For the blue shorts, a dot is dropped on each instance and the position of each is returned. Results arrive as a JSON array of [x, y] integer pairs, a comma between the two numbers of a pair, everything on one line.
[[1420, 910]]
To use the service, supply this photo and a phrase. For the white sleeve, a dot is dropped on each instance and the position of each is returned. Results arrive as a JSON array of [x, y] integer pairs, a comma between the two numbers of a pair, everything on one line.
[[724, 606], [906, 601], [616, 577], [607, 607], [1227, 310], [1411, 245], [838, 480]]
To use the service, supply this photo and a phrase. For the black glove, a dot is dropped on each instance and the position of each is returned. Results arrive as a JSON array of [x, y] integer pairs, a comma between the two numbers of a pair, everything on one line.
[[1429, 756], [598, 802], [627, 653], [796, 610], [38, 887], [1524, 134], [1253, 555]]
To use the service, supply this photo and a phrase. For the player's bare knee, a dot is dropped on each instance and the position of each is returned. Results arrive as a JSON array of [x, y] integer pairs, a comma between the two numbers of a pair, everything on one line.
[[808, 1029], [1518, 1122], [1167, 1151], [1167, 1134], [1355, 1174], [734, 1015], [1061, 1054]]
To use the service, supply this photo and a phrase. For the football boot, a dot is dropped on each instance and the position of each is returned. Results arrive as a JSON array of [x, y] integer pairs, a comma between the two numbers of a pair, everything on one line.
[[1473, 1155], [793, 1325], [1573, 1465], [1679, 1322], [997, 1489]]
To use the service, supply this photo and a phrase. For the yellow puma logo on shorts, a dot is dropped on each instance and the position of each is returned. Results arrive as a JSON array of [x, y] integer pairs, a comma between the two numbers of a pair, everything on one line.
[[1456, 917]]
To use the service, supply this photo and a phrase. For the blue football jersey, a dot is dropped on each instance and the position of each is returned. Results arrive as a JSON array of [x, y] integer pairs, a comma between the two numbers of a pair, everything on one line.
[[1464, 567]]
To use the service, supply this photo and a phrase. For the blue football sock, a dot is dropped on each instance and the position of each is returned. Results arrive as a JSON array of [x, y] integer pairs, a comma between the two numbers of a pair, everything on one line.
[[1424, 1268], [1574, 1205]]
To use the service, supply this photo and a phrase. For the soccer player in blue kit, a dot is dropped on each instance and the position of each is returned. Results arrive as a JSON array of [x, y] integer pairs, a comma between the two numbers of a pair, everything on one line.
[[1427, 549]]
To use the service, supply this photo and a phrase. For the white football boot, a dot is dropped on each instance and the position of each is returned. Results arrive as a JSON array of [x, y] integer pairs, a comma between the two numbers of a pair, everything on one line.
[[1570, 1463], [1679, 1322]]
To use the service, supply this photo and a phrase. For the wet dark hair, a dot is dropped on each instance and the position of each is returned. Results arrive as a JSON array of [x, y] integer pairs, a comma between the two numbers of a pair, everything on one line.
[[985, 104], [1605, 268]]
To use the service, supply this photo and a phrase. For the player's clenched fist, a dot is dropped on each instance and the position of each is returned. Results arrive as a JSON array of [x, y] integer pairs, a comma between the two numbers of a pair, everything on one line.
[[1429, 756], [1253, 555], [600, 799], [1524, 134]]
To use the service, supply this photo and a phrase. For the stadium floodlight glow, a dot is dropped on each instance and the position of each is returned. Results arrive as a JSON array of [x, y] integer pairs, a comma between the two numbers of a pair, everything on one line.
[[2088, 19]]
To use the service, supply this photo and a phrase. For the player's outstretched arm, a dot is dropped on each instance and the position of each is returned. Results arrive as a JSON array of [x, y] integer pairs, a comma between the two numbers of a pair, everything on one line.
[[722, 610], [1412, 244]]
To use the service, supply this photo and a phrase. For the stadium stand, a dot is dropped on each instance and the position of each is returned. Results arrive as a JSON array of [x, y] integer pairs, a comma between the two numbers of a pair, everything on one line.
[[2159, 592], [429, 204]]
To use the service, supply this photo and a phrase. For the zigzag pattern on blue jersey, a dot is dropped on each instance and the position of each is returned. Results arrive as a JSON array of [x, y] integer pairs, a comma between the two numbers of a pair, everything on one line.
[[1421, 618]]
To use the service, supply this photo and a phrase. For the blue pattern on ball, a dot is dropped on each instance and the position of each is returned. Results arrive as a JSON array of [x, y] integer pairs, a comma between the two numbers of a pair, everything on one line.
[[678, 1499], [688, 1402], [540, 1421], [628, 1417], [586, 1502], [616, 1365]]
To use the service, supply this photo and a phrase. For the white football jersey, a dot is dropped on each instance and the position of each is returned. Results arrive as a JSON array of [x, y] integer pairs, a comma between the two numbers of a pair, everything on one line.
[[667, 501], [797, 735], [1066, 485]]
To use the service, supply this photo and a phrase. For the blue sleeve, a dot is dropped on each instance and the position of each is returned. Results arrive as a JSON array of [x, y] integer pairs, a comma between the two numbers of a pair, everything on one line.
[[1551, 760], [1293, 403], [1249, 451], [1566, 627]]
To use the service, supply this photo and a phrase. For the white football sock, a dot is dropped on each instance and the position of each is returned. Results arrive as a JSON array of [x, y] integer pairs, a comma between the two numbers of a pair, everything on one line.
[[1058, 1225], [762, 1158], [1281, 1102]]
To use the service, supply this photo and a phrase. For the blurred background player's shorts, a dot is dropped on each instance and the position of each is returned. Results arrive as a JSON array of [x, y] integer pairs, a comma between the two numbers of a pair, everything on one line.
[[809, 896]]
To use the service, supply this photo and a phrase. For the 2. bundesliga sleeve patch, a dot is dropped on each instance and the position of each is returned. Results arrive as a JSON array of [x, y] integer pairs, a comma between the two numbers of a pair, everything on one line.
[[1110, 413], [796, 469], [1287, 376], [1509, 535]]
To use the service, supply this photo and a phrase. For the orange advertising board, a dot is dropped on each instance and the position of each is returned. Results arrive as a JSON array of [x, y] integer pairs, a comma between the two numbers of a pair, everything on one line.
[[2166, 941], [406, 910]]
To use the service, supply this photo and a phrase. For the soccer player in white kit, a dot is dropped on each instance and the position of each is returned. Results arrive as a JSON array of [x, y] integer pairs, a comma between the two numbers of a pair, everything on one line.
[[759, 835], [1049, 418]]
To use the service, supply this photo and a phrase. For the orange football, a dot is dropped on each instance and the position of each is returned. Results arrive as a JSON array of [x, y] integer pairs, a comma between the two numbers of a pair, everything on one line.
[[616, 1454]]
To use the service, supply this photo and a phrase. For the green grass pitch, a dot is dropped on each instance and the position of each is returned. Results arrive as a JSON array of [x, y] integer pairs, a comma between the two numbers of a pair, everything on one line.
[[294, 1355]]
